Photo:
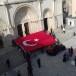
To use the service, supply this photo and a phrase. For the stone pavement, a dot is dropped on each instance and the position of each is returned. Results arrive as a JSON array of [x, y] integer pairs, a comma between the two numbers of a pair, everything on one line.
[[51, 66], [64, 37]]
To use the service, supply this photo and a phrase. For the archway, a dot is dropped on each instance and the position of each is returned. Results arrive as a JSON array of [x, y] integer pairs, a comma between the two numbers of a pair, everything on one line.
[[48, 19], [27, 17]]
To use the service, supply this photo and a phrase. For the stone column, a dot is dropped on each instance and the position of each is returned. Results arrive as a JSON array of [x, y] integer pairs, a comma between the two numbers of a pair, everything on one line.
[[40, 21]]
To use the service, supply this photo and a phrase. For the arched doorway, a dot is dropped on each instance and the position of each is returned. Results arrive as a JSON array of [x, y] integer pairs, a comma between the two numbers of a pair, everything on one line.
[[20, 32], [27, 17], [1, 42], [26, 28], [48, 19]]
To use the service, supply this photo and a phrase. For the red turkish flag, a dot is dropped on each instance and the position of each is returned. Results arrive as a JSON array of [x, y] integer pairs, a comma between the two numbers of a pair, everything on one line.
[[34, 41]]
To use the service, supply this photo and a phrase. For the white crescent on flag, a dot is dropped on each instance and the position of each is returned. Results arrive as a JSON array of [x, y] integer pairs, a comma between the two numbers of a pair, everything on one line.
[[27, 44]]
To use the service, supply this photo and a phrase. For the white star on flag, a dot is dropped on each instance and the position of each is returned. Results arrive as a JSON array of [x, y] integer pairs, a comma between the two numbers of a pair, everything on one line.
[[36, 39]]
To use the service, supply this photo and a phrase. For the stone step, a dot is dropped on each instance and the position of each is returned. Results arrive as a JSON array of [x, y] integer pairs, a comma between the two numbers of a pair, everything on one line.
[[15, 58]]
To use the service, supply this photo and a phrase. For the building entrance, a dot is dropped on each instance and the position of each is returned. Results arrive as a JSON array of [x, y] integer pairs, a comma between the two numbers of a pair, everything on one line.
[[26, 28], [45, 24], [20, 32]]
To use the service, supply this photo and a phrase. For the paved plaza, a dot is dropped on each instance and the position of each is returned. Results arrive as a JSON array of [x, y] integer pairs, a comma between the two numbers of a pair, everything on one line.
[[51, 65]]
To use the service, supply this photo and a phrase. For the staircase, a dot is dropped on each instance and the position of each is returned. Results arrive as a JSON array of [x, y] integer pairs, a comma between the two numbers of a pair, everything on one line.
[[16, 58]]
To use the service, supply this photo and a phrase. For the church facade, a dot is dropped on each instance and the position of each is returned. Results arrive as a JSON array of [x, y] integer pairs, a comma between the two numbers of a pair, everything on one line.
[[19, 18]]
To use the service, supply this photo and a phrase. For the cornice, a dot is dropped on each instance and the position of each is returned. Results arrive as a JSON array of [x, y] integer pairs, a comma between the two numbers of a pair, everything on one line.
[[18, 2]]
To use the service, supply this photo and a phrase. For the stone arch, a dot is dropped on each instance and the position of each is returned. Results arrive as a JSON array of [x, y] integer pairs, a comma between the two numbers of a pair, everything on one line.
[[24, 14], [25, 5], [26, 8], [47, 13]]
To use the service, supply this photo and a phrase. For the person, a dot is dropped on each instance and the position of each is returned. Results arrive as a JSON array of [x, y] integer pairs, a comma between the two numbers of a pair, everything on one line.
[[30, 70], [64, 57], [61, 27], [75, 60], [8, 63], [19, 73], [71, 49], [51, 30], [58, 41], [28, 56], [67, 55], [74, 33], [70, 23], [13, 42], [53, 34], [42, 50], [63, 30], [39, 62]]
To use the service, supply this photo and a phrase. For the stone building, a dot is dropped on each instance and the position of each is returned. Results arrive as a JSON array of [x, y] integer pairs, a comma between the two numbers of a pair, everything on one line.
[[22, 17], [70, 7]]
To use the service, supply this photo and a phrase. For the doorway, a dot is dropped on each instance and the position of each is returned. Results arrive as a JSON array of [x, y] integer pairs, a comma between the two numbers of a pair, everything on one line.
[[26, 28], [45, 24], [20, 32], [1, 42]]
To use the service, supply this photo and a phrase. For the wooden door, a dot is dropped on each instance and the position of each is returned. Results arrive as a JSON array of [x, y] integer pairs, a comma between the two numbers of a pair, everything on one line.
[[26, 28], [20, 32], [45, 24]]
